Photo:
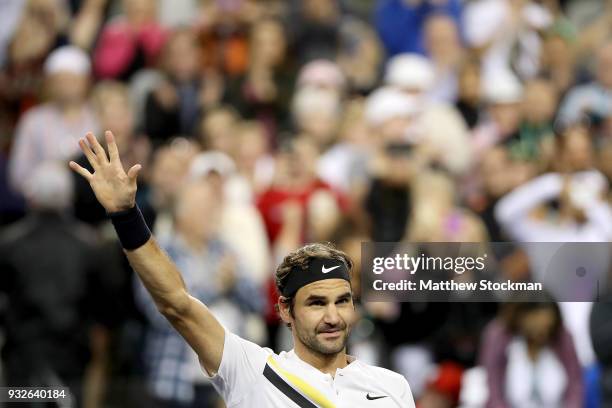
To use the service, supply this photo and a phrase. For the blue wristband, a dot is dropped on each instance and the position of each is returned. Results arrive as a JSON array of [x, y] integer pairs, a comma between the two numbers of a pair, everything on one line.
[[131, 228]]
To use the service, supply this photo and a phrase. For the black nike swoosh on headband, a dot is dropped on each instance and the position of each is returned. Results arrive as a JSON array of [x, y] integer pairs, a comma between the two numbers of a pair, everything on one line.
[[371, 398]]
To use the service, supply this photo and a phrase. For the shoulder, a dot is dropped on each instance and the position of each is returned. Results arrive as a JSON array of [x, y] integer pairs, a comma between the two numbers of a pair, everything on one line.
[[16, 232], [35, 114], [83, 233]]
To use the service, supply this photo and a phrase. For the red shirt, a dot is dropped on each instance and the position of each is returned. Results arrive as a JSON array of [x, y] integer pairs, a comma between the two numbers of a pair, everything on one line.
[[270, 204]]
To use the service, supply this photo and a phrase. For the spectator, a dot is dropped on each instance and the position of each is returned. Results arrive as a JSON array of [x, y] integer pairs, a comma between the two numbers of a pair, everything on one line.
[[176, 104], [295, 184], [583, 216], [469, 96], [593, 100], [390, 113], [558, 62], [360, 55], [539, 105], [58, 302], [345, 165], [241, 225], [316, 30], [443, 46], [130, 41], [223, 31], [531, 339], [218, 130], [39, 26], [213, 274], [264, 91], [51, 131], [169, 171], [401, 23], [507, 34], [504, 94], [435, 216], [316, 112], [411, 73], [254, 159], [87, 23], [498, 174]]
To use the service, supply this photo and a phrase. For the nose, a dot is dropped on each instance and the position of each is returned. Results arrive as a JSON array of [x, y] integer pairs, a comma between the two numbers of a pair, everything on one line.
[[332, 317]]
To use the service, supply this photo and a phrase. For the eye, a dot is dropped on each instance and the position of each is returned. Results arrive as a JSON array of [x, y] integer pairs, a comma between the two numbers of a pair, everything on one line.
[[344, 300], [317, 303]]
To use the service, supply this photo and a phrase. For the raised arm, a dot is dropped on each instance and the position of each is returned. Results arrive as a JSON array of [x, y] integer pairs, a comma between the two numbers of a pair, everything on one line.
[[512, 210], [116, 191]]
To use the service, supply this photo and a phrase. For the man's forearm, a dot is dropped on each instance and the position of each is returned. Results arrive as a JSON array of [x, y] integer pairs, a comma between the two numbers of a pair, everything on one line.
[[189, 316], [518, 203]]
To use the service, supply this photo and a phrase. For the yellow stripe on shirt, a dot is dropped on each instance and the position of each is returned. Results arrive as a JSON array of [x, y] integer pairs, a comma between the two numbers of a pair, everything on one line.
[[308, 390]]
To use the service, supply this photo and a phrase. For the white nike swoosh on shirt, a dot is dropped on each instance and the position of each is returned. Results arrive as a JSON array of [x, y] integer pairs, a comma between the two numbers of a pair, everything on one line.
[[326, 270]]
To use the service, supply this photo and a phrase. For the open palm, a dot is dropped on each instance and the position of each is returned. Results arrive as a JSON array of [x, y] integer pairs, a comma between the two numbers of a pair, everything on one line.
[[114, 188]]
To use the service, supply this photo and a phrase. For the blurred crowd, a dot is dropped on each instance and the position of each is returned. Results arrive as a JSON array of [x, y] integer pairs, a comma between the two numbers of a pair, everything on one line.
[[265, 124]]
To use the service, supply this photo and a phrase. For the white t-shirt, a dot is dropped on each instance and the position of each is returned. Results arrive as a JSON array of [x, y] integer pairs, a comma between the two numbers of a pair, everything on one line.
[[534, 384], [253, 376]]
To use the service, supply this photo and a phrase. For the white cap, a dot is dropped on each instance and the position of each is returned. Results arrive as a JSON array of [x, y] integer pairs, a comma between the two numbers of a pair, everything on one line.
[[410, 71], [207, 162], [502, 87], [387, 103], [68, 59]]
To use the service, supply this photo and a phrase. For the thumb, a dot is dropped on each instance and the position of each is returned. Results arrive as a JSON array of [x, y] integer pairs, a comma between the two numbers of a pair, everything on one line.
[[133, 172]]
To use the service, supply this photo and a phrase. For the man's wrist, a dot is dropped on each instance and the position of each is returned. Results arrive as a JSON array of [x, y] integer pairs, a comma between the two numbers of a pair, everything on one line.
[[131, 227]]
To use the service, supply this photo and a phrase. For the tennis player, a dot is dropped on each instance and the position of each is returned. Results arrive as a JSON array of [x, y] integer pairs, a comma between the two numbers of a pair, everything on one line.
[[316, 303]]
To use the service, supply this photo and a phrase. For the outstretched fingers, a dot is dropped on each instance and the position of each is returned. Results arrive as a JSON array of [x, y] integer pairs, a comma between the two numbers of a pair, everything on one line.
[[82, 171], [97, 148], [91, 157], [113, 151]]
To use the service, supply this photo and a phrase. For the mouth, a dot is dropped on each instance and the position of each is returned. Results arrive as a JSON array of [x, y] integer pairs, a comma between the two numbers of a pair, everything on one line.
[[331, 334]]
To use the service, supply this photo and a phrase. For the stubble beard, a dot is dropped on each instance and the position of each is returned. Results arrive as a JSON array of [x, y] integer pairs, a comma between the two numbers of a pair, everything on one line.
[[324, 348]]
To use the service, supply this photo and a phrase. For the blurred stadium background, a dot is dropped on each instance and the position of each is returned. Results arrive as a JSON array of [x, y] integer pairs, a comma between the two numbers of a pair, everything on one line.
[[265, 124]]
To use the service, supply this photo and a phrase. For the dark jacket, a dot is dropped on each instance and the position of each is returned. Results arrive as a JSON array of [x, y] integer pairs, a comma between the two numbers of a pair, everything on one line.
[[50, 275]]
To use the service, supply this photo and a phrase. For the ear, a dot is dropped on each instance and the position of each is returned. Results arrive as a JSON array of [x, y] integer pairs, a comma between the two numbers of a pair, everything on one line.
[[283, 307]]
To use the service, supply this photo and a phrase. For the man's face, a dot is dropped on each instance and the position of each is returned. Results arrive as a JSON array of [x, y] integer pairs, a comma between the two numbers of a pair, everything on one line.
[[537, 325], [507, 116], [540, 102], [322, 316], [68, 88]]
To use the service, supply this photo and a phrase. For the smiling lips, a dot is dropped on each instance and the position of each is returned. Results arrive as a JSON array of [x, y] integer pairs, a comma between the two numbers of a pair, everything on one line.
[[331, 333]]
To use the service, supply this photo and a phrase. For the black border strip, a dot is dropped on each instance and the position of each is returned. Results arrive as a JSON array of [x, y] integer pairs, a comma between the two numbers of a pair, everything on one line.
[[286, 389]]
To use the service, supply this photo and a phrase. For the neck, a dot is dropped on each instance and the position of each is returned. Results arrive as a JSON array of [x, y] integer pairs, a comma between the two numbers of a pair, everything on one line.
[[70, 109], [533, 350], [323, 362]]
